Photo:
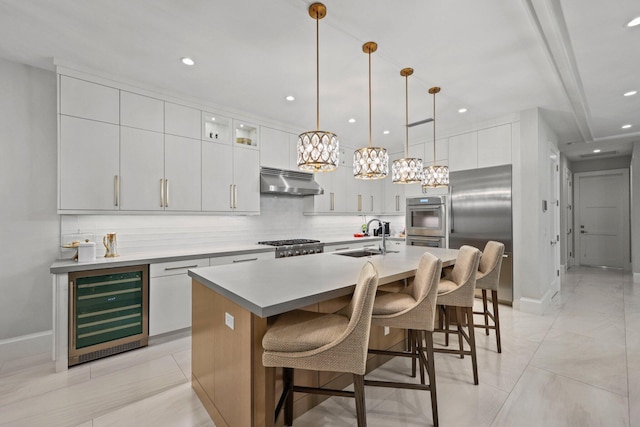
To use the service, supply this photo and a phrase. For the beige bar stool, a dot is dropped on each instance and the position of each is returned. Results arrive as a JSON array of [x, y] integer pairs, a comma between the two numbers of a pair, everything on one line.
[[324, 342], [488, 278], [413, 308], [458, 292]]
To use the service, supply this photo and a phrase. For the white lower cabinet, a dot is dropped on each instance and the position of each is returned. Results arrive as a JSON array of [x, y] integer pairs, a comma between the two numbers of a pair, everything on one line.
[[235, 259], [332, 247], [170, 295]]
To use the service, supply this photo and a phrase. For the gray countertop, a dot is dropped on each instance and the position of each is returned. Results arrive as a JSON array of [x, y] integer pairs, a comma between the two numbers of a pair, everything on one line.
[[67, 265], [275, 286]]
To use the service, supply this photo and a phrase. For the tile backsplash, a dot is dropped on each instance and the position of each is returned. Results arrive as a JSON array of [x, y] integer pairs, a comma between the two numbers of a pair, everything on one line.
[[281, 218]]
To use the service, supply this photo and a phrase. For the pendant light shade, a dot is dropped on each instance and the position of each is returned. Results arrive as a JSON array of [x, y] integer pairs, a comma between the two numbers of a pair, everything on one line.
[[370, 162], [407, 170], [435, 176], [318, 150]]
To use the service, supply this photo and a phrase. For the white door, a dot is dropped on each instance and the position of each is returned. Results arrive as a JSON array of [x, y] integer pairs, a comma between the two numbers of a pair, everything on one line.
[[553, 219], [182, 163], [246, 177], [141, 170], [217, 177], [569, 214], [602, 217]]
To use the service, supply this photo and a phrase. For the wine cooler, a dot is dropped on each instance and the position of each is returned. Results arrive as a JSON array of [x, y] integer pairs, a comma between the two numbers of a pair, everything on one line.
[[108, 312]]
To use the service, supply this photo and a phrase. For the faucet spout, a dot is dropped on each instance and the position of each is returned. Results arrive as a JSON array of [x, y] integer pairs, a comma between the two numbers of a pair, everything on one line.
[[383, 249]]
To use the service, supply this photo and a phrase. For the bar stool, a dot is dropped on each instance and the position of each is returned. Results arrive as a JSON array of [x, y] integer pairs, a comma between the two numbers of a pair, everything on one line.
[[414, 309], [488, 278], [458, 292], [324, 342]]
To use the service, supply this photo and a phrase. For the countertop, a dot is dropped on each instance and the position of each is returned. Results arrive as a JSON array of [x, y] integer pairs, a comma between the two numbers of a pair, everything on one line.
[[150, 257], [275, 286]]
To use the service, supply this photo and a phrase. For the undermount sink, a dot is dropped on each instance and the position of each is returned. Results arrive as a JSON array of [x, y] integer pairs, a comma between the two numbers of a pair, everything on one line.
[[359, 253]]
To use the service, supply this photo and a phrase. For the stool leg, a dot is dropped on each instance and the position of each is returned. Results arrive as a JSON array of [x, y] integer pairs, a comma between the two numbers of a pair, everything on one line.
[[431, 370], [496, 318], [287, 377], [412, 350], [459, 325], [485, 310], [361, 412], [447, 324], [418, 352], [472, 343]]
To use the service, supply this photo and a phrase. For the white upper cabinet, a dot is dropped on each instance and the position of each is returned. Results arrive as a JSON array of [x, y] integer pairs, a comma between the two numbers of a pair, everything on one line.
[[142, 170], [183, 178], [293, 151], [274, 148], [182, 121], [89, 165], [442, 152], [463, 151], [494, 146], [217, 177], [416, 151], [394, 194], [246, 178], [216, 128], [80, 98], [141, 112]]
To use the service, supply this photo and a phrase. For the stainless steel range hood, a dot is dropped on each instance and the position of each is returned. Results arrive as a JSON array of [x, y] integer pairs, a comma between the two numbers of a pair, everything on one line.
[[293, 183]]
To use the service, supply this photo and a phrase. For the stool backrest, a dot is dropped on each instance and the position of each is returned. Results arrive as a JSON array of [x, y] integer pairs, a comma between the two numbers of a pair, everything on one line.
[[464, 272], [425, 285], [491, 257]]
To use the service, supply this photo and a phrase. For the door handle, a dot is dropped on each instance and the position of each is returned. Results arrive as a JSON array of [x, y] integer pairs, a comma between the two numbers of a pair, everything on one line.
[[116, 185], [161, 193], [231, 196], [583, 232], [332, 205], [166, 193]]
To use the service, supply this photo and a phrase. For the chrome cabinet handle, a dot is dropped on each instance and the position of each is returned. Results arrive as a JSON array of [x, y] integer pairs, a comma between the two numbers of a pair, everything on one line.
[[245, 260], [397, 203], [371, 203], [235, 196], [166, 193], [332, 201], [231, 196], [180, 268], [116, 185], [161, 193], [359, 202], [341, 249]]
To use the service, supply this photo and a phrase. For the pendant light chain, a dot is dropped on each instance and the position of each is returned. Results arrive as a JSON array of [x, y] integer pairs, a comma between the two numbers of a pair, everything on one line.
[[434, 128], [317, 72], [369, 98], [406, 114]]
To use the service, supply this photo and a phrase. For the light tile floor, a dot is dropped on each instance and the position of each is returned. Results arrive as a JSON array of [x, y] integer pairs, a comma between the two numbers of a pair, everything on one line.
[[577, 365]]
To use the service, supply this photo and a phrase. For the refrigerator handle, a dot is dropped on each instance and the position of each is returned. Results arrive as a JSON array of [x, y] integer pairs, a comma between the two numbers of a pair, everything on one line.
[[451, 209]]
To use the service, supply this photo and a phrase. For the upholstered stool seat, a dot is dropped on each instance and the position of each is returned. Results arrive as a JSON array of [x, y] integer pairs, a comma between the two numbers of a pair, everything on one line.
[[456, 294], [413, 309], [324, 342]]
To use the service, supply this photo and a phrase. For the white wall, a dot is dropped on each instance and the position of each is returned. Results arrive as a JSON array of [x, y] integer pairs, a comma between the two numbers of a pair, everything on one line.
[[532, 272], [621, 162], [29, 231], [635, 211]]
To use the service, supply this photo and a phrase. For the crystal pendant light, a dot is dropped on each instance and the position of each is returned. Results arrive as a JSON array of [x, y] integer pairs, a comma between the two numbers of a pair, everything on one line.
[[407, 170], [435, 176], [370, 162], [318, 150]]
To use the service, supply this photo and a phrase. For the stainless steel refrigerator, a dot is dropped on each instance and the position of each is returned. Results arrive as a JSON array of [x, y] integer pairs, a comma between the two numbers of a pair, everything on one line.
[[479, 211]]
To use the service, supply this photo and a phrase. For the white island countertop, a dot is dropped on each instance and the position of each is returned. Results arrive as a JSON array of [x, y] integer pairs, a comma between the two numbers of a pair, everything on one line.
[[271, 287]]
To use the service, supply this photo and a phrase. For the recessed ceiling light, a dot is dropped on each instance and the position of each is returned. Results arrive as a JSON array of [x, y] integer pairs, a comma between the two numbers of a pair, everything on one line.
[[634, 22], [187, 61], [290, 98], [386, 132], [213, 119], [241, 126], [352, 120], [462, 110], [596, 151], [631, 93], [626, 126]]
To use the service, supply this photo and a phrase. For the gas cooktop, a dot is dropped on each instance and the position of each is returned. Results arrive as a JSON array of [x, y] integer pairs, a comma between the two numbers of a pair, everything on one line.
[[288, 242]]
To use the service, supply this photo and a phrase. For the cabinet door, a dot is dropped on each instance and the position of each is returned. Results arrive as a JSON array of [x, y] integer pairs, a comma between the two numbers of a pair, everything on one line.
[[394, 199], [246, 178], [354, 200], [339, 187], [141, 170], [182, 121], [217, 177], [182, 166], [88, 100], [274, 148], [293, 151], [372, 191], [494, 146], [324, 203], [89, 164], [463, 151], [169, 303], [141, 112]]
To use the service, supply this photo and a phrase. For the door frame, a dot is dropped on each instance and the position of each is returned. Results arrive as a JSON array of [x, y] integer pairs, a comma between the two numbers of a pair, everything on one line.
[[554, 209], [626, 221]]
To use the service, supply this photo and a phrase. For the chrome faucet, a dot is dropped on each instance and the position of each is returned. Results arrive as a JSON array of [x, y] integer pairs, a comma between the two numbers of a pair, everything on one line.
[[383, 249]]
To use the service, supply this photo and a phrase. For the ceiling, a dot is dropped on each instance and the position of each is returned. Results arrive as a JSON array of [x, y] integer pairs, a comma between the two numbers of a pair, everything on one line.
[[571, 58]]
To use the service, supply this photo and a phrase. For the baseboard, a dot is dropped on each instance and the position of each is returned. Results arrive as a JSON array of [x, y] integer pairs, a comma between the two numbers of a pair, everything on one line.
[[26, 346], [536, 306]]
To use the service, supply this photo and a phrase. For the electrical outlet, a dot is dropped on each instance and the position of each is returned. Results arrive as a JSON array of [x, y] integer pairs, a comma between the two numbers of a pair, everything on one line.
[[228, 320], [387, 330]]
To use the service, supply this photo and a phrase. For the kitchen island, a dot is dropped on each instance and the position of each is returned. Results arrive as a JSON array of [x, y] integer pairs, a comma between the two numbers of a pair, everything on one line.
[[232, 306]]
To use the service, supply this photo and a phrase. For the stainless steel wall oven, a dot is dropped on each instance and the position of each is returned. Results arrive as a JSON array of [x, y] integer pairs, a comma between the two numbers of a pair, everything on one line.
[[108, 312], [426, 221]]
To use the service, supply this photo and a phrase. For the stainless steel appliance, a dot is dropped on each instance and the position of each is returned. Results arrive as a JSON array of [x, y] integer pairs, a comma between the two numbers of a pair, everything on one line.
[[426, 221], [293, 183], [479, 211], [108, 312], [295, 247]]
